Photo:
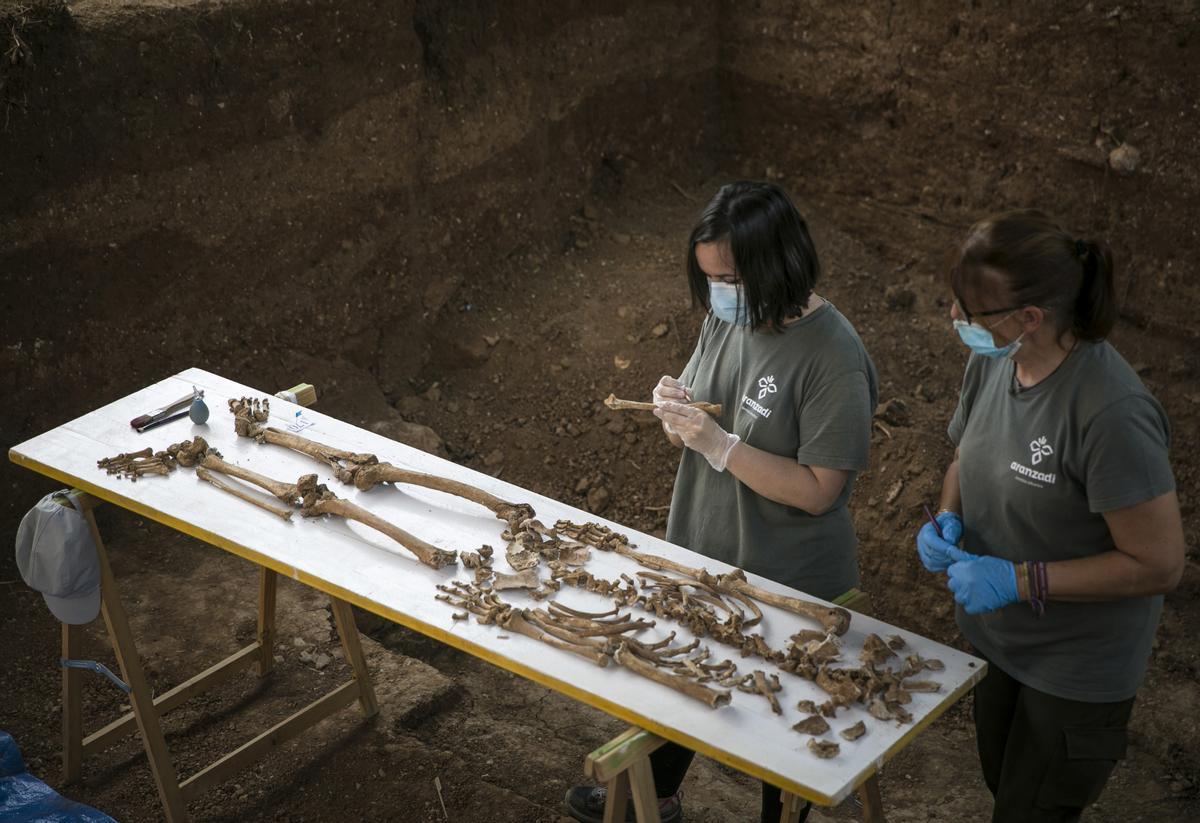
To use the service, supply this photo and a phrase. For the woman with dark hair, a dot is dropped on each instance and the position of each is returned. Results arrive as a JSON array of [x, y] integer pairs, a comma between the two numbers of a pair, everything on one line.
[[1062, 496], [764, 487]]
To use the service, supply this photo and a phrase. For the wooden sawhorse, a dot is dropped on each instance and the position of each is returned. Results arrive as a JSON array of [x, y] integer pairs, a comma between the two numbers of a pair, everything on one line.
[[623, 766], [147, 709]]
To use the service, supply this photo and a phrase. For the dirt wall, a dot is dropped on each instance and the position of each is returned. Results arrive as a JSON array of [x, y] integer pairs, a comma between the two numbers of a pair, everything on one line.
[[250, 185], [951, 110]]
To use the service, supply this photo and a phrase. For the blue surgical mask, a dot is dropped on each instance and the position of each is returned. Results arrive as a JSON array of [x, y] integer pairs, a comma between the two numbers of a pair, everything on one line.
[[980, 340], [728, 303]]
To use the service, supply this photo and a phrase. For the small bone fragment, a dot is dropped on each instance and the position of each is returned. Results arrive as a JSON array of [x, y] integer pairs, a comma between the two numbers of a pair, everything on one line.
[[459, 616], [244, 494], [896, 642], [520, 559], [822, 651], [812, 725], [829, 708], [854, 732], [823, 749], [805, 635], [527, 579], [767, 689], [807, 706], [922, 686], [576, 557], [840, 688], [617, 404], [875, 651], [476, 560], [934, 665], [684, 685]]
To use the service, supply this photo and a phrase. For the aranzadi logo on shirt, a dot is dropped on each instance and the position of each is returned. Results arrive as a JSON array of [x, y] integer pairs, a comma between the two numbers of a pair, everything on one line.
[[1039, 450], [766, 388]]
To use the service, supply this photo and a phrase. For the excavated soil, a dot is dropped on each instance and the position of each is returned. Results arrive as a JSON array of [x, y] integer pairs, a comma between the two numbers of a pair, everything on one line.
[[483, 310]]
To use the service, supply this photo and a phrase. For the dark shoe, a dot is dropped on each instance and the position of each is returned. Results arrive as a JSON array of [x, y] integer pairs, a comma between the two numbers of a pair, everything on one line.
[[586, 804]]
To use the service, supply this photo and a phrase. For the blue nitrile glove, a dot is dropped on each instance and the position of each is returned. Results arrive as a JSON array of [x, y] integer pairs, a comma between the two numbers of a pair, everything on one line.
[[982, 583], [934, 550]]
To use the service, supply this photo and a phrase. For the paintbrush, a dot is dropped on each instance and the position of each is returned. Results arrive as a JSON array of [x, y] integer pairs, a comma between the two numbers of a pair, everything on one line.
[[144, 421]]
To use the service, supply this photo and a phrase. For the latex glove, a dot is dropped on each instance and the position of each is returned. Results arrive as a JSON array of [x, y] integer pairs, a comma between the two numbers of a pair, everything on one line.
[[981, 583], [699, 432], [934, 550], [670, 390]]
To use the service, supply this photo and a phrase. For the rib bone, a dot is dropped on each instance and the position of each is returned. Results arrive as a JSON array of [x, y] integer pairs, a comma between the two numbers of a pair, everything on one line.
[[684, 685], [834, 619]]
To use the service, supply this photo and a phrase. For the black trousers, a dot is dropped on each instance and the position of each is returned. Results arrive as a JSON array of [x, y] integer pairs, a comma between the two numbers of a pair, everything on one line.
[[670, 763], [1045, 759]]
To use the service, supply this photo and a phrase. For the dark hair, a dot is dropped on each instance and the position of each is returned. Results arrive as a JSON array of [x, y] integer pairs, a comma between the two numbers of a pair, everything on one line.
[[773, 254], [1043, 265]]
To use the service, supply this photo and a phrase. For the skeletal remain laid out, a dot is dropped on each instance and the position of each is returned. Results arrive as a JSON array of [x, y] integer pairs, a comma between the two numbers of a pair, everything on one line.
[[854, 732], [133, 465], [875, 651], [758, 682], [313, 498], [617, 404], [244, 494], [823, 749], [364, 471], [623, 591], [833, 619], [814, 724], [477, 560], [596, 637], [680, 683], [524, 579]]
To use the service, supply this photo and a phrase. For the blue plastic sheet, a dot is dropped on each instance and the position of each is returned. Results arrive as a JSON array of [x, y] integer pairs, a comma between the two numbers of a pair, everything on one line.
[[25, 799]]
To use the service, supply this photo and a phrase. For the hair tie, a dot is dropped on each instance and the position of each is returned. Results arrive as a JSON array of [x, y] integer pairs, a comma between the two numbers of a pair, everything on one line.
[[1081, 248]]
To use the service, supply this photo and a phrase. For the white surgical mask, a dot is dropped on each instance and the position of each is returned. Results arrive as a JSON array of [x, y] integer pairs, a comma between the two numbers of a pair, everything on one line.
[[728, 303]]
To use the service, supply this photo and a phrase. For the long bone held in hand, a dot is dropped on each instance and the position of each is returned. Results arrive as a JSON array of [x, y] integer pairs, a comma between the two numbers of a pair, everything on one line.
[[834, 619], [617, 404], [313, 498], [364, 471]]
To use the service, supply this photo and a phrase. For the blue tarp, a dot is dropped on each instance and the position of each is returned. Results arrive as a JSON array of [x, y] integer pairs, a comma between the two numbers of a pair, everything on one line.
[[25, 799]]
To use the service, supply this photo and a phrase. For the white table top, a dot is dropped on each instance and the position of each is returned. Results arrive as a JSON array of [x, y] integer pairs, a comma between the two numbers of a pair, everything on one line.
[[366, 568]]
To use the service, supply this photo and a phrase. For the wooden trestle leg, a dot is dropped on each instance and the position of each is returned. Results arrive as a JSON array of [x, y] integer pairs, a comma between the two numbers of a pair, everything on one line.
[[147, 709], [623, 765]]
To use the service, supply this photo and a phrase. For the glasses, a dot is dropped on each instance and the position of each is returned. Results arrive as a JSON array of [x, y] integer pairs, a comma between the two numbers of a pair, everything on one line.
[[989, 313]]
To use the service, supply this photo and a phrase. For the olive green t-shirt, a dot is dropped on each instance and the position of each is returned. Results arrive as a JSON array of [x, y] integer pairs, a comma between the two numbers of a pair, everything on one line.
[[807, 392], [1038, 467]]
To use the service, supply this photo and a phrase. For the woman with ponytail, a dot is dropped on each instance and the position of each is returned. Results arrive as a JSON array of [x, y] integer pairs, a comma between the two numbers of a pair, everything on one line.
[[1059, 527]]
